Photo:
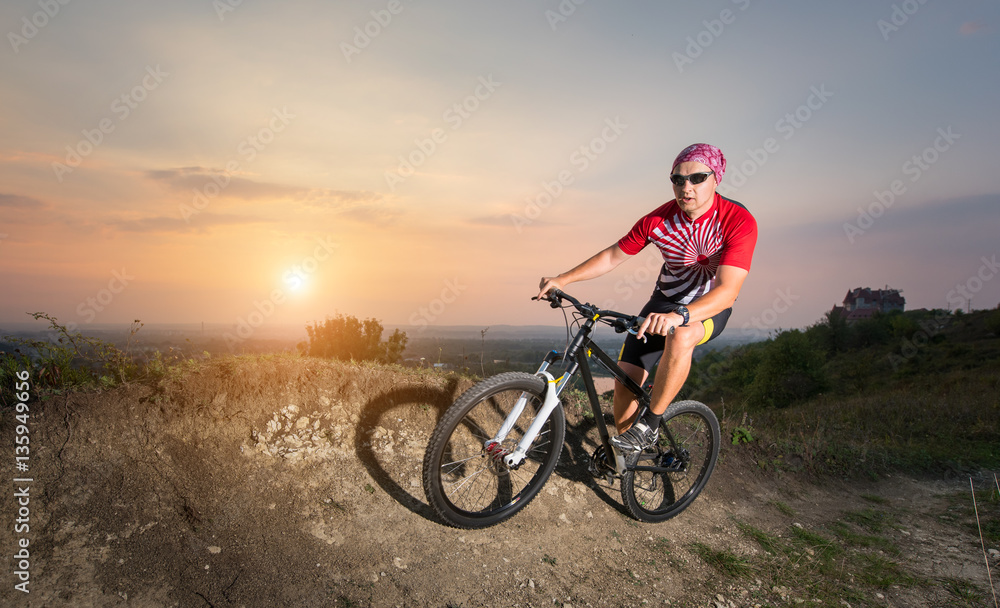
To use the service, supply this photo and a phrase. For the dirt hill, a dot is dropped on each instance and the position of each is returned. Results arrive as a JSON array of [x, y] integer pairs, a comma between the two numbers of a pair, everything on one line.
[[279, 481]]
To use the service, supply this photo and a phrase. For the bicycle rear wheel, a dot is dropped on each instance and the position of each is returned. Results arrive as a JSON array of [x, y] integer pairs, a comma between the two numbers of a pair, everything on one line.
[[469, 487], [656, 496]]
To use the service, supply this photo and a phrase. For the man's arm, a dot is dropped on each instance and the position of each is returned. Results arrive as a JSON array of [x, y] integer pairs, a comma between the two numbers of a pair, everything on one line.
[[728, 282], [600, 264], [722, 295]]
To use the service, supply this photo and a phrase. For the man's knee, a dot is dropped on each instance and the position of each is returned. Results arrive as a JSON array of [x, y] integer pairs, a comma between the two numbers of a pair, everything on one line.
[[685, 339]]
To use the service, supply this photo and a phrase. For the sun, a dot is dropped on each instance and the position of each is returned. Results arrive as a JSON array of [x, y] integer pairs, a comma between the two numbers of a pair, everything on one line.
[[295, 280]]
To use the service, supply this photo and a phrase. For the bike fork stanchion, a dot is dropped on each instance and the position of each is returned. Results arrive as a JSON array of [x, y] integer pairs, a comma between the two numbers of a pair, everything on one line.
[[515, 459], [494, 446]]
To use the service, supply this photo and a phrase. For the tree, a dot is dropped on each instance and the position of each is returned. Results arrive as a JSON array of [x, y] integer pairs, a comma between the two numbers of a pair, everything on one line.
[[349, 339]]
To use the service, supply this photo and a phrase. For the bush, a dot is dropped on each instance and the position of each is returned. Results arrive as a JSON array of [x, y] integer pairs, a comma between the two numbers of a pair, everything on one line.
[[348, 339], [790, 369], [993, 323], [70, 358]]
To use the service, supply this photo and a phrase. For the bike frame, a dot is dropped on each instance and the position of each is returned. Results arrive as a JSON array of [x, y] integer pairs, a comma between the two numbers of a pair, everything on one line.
[[580, 351]]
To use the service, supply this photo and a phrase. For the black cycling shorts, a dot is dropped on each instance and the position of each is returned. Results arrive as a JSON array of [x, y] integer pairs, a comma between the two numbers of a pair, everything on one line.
[[647, 354]]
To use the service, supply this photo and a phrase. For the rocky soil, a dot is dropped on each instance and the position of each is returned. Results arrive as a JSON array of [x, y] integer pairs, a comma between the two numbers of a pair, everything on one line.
[[290, 483]]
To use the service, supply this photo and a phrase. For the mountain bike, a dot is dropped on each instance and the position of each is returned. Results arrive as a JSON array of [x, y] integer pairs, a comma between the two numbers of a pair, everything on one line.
[[496, 446]]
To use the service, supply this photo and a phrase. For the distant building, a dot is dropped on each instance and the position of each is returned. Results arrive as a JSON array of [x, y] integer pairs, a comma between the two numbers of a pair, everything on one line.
[[863, 302]]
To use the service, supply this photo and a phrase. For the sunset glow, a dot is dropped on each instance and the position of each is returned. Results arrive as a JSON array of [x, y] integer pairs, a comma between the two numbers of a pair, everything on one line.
[[426, 164]]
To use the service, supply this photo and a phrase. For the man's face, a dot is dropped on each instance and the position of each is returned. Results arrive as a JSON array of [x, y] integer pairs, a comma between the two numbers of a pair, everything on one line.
[[694, 199]]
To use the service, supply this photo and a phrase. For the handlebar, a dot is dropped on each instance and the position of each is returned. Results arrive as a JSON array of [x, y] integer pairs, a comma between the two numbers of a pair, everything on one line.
[[620, 322]]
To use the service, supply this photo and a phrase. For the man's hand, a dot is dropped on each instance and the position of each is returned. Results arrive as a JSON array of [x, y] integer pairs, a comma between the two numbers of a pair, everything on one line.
[[660, 324], [547, 284]]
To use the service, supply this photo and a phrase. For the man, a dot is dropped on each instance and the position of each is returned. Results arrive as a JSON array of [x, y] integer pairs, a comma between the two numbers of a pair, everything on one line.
[[707, 243]]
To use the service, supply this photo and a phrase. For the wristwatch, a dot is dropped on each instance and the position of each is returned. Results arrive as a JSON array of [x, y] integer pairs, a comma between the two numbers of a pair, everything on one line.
[[683, 311]]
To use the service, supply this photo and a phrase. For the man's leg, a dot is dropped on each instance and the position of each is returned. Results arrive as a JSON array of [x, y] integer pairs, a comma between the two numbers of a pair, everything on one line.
[[674, 366], [671, 373], [626, 405]]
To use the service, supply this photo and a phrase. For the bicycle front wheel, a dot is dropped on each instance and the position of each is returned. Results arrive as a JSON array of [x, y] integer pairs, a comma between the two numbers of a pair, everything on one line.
[[466, 481], [656, 496]]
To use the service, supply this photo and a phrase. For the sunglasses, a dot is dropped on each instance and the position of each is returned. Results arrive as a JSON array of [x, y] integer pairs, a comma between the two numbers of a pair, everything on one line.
[[696, 178]]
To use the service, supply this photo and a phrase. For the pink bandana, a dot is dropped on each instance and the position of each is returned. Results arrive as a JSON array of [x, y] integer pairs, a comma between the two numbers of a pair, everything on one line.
[[705, 154]]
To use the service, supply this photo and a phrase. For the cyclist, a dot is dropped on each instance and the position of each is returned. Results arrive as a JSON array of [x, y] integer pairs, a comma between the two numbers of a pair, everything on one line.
[[707, 243]]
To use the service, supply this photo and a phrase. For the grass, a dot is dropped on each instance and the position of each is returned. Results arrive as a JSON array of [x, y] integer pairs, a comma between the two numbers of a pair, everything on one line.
[[935, 410], [724, 561], [821, 566]]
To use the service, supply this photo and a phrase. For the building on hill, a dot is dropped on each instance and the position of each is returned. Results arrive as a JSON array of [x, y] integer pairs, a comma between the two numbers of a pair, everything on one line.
[[863, 302]]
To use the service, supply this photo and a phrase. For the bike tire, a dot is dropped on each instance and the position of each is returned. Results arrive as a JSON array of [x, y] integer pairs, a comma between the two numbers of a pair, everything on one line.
[[657, 496], [466, 486]]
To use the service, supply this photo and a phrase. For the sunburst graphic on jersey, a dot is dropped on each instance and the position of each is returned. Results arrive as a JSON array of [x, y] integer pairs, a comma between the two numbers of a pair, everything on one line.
[[691, 260]]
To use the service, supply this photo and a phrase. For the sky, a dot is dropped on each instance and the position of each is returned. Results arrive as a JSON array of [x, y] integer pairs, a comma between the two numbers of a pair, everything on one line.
[[426, 163]]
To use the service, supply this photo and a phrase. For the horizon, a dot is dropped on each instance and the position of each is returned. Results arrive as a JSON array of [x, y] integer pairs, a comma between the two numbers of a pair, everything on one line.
[[426, 165]]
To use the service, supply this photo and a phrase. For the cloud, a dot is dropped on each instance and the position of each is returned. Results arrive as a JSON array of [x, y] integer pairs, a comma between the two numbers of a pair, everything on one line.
[[510, 220], [970, 28], [219, 183], [20, 202], [172, 224]]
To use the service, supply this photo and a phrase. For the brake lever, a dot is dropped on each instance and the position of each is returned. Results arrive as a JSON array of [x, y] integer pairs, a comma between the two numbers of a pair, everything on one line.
[[634, 330]]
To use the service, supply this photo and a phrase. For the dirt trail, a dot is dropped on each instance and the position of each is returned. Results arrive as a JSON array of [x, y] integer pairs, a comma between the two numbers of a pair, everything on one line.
[[219, 490]]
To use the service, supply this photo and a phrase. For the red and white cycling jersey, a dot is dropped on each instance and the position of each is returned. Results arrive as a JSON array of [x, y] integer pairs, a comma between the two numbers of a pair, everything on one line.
[[693, 250]]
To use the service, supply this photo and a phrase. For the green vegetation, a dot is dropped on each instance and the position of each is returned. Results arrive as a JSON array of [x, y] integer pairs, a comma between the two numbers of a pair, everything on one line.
[[821, 566], [915, 391], [70, 359], [348, 339]]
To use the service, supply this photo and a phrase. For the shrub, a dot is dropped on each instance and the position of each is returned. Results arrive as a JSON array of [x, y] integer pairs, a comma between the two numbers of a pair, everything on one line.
[[790, 369], [349, 339]]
